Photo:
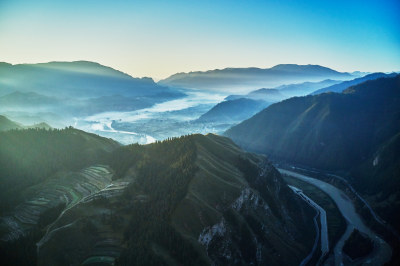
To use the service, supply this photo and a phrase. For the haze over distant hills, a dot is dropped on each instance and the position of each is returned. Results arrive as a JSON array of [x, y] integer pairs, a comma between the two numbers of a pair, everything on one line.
[[237, 108], [356, 131], [7, 124], [345, 84], [75, 79], [285, 91], [61, 91], [272, 95], [241, 107], [246, 79], [233, 111]]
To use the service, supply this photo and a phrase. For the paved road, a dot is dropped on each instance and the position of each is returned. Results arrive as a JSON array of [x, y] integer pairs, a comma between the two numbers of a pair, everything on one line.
[[321, 234], [382, 252]]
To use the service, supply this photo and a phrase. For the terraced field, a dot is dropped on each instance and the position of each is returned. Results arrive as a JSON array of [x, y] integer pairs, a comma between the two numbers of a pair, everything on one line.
[[105, 251], [114, 189], [65, 188], [93, 227]]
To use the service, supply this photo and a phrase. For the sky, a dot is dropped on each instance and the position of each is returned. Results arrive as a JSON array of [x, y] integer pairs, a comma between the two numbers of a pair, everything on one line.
[[160, 38]]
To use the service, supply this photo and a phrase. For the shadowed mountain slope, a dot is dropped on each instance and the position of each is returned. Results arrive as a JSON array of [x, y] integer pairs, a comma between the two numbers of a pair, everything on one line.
[[7, 124], [193, 200], [232, 111], [29, 156], [355, 131], [346, 84], [284, 91]]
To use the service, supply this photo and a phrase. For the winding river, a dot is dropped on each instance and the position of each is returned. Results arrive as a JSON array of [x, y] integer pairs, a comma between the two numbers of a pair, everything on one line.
[[322, 233], [382, 251]]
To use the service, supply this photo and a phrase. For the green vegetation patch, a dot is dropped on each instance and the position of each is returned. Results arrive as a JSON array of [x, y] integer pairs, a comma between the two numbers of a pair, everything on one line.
[[163, 173], [30, 157]]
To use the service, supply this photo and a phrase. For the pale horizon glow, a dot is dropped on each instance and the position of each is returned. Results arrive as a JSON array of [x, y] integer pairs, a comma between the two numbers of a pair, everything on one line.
[[160, 38]]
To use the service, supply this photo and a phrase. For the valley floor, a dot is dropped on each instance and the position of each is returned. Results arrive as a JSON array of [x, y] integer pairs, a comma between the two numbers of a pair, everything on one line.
[[382, 252]]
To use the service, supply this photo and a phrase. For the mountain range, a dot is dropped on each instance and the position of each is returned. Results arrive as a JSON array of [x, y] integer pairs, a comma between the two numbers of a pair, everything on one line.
[[247, 79], [77, 79], [354, 132], [7, 124], [345, 84], [233, 111], [59, 92], [237, 108], [269, 95]]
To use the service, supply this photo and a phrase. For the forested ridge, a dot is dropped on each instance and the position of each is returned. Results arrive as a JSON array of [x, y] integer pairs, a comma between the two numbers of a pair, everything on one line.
[[163, 172], [173, 193], [29, 156]]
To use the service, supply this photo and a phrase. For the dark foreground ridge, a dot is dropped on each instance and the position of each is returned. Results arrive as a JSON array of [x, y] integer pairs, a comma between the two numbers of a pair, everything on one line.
[[192, 200]]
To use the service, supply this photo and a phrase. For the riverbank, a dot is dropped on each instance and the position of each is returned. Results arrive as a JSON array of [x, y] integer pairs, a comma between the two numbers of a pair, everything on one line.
[[382, 252], [335, 221]]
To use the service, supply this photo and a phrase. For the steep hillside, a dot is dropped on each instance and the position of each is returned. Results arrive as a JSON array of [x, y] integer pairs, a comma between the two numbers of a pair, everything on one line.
[[305, 88], [285, 91], [356, 132], [319, 126], [44, 172], [30, 156], [194, 200], [232, 111], [346, 84], [378, 176], [268, 95], [244, 79], [7, 124]]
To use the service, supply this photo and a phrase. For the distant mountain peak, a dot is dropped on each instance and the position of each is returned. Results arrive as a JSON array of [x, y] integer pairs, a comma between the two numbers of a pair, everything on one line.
[[77, 79], [296, 67], [340, 87], [239, 80]]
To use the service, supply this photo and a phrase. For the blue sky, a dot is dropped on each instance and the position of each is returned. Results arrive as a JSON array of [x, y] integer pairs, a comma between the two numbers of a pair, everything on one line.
[[159, 38]]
